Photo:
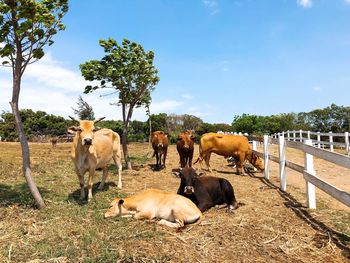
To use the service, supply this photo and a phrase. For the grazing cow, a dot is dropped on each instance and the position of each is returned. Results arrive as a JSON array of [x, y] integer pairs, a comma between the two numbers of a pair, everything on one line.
[[184, 146], [54, 141], [160, 147], [92, 150], [236, 146], [206, 191], [169, 209]]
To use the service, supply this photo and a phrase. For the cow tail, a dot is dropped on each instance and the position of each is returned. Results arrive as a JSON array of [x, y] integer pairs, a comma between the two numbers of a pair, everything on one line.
[[200, 158]]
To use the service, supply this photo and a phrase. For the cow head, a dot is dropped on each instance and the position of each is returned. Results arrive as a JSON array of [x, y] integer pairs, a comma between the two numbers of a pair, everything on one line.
[[159, 139], [85, 130], [118, 208], [257, 162], [188, 176], [186, 138]]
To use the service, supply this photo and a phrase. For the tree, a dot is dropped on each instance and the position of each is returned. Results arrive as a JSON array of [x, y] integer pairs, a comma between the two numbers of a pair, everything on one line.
[[27, 26], [127, 69], [84, 111]]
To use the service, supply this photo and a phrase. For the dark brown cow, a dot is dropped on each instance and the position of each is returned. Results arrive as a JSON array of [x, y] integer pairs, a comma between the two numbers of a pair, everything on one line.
[[184, 146], [206, 191], [236, 146], [160, 147]]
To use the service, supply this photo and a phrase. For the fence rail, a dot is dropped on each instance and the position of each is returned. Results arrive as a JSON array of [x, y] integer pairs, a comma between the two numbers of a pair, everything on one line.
[[308, 171], [319, 139]]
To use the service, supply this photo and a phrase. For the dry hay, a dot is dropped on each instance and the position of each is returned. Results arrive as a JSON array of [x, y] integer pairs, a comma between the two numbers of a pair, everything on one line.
[[269, 225]]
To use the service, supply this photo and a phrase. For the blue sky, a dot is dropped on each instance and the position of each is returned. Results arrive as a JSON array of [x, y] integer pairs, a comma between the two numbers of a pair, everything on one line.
[[216, 58]]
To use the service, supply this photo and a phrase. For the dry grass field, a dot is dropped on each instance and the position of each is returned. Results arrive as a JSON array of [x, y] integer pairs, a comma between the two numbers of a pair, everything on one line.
[[269, 226]]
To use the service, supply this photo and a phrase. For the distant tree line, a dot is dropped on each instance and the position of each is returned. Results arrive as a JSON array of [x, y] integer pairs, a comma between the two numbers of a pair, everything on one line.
[[333, 118]]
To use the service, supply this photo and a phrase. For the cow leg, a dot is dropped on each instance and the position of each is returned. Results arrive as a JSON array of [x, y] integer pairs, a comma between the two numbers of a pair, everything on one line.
[[90, 183], [164, 158], [167, 223], [240, 164], [104, 177], [143, 215], [80, 175], [207, 159], [118, 164], [190, 157], [157, 158]]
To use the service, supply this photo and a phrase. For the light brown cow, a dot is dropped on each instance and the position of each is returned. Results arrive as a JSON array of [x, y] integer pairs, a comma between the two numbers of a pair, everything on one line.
[[169, 209], [185, 147], [228, 145], [160, 147], [92, 150]]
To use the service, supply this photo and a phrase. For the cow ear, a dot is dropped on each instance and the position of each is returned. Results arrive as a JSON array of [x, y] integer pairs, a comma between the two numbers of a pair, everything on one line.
[[200, 174], [73, 129], [177, 174]]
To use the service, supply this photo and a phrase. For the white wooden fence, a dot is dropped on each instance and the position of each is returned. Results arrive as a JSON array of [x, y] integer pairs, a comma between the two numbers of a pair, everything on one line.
[[342, 140], [308, 171]]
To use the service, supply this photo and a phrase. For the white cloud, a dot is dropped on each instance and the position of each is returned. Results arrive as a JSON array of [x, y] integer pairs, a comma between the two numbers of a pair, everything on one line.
[[225, 69], [212, 5], [188, 96], [304, 3], [316, 88]]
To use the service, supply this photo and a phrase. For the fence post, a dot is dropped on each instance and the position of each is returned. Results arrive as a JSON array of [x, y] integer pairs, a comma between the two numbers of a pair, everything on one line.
[[254, 149], [308, 135], [294, 136], [301, 135], [319, 139], [331, 141], [310, 188], [288, 135], [282, 157], [266, 157], [346, 138]]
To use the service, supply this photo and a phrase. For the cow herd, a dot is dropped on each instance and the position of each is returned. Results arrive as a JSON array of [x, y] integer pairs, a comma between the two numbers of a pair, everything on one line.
[[94, 149]]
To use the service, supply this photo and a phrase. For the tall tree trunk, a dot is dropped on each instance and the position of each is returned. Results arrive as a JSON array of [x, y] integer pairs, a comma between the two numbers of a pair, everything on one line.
[[23, 140], [125, 138]]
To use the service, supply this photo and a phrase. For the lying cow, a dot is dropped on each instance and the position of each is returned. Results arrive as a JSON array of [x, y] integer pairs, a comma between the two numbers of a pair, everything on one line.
[[170, 209], [185, 147], [236, 146], [206, 191], [160, 147], [93, 150]]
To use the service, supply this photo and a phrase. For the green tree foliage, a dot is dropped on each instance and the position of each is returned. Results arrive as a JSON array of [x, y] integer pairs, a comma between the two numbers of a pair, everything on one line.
[[27, 26], [159, 122], [34, 123], [84, 110], [127, 69]]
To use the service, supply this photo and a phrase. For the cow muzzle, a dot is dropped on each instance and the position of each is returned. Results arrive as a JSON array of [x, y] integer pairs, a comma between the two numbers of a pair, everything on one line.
[[87, 141], [189, 190]]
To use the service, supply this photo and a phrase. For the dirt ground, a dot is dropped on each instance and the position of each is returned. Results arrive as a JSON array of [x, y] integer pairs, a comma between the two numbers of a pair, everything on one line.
[[269, 226]]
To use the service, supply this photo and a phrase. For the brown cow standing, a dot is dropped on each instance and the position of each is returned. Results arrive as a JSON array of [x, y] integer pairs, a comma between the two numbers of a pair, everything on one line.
[[228, 145], [93, 150], [160, 147], [185, 147]]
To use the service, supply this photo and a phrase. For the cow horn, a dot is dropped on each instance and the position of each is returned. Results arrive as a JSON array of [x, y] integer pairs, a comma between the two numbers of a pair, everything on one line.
[[73, 119], [100, 119]]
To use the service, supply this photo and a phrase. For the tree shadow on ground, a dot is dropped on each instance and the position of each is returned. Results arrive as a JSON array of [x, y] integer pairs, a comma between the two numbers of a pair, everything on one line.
[[75, 196], [18, 194], [326, 234]]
